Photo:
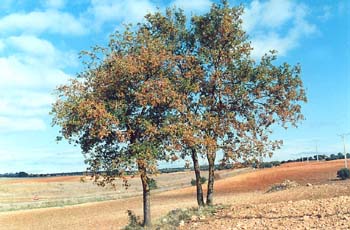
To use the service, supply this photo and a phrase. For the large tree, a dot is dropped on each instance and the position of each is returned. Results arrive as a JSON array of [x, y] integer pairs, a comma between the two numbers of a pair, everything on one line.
[[119, 108], [242, 98], [233, 100], [186, 134]]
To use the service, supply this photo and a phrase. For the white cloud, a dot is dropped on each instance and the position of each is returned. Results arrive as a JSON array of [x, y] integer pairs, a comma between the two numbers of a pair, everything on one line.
[[273, 13], [19, 124], [25, 103], [31, 70], [276, 25], [41, 159], [193, 6], [33, 62], [28, 72], [122, 10], [51, 21], [32, 45]]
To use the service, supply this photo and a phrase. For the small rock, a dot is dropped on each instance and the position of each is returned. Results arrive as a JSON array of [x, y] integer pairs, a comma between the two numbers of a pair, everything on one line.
[[308, 185], [182, 223], [202, 217], [194, 218], [164, 220]]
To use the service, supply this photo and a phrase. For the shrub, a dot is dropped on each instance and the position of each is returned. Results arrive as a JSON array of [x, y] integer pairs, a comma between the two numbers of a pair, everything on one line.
[[175, 217], [134, 222], [343, 174], [202, 181], [152, 183], [266, 165], [276, 163], [287, 184]]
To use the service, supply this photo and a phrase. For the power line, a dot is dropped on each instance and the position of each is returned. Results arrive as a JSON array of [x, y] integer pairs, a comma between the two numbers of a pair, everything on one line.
[[343, 137]]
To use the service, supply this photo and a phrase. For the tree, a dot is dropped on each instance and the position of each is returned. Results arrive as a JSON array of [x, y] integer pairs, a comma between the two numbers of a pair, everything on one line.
[[340, 156], [241, 98], [187, 136], [22, 174], [333, 156], [119, 108], [232, 100]]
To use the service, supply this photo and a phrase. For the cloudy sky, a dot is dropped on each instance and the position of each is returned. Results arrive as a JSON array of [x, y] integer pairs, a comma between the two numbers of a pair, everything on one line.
[[40, 41]]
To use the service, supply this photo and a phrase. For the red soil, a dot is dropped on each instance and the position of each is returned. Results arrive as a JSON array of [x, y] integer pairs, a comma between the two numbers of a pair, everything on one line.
[[112, 214]]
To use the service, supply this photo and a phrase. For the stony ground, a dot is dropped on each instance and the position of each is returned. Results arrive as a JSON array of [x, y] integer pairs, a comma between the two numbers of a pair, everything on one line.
[[311, 212]]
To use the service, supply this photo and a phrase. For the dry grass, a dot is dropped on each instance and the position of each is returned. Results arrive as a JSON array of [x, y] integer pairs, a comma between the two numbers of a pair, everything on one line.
[[249, 187], [31, 193]]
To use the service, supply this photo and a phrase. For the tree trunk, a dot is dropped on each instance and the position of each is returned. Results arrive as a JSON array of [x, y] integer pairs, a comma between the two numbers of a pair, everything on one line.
[[197, 172], [211, 162], [146, 196]]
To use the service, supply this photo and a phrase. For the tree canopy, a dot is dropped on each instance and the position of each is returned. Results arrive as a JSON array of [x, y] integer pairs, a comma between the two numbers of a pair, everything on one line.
[[172, 87]]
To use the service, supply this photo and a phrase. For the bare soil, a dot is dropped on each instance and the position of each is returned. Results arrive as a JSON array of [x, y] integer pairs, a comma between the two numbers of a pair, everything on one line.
[[241, 190]]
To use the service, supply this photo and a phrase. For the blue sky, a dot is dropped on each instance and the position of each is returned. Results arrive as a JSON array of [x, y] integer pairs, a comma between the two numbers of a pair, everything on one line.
[[40, 41]]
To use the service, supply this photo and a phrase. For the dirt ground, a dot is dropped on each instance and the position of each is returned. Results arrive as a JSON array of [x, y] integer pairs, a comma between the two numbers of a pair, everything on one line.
[[243, 189], [310, 208]]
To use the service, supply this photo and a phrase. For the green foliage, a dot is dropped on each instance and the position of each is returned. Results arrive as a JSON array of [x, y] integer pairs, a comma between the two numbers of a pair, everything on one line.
[[22, 174], [201, 181], [265, 165], [173, 219], [343, 173], [152, 183], [169, 86], [134, 222], [340, 156]]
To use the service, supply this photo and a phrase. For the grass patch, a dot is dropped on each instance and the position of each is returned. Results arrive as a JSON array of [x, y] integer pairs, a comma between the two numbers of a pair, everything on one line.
[[287, 184], [51, 204], [175, 218]]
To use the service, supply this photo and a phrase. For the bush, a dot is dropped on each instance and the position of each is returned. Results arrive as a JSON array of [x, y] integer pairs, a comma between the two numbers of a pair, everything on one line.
[[287, 184], [175, 217], [152, 183], [343, 174], [134, 222], [266, 165], [202, 181], [276, 163]]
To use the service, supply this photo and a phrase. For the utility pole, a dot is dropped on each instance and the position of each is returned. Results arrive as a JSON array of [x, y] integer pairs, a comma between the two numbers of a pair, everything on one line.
[[343, 137], [316, 152]]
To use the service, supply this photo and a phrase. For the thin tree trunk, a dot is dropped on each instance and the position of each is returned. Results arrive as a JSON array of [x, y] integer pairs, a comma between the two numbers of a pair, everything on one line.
[[197, 172], [146, 196], [210, 192]]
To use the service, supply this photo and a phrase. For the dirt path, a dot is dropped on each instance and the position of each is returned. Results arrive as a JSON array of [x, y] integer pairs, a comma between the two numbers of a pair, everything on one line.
[[112, 214]]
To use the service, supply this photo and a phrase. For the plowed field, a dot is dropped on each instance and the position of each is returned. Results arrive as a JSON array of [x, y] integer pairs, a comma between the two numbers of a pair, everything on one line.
[[248, 187]]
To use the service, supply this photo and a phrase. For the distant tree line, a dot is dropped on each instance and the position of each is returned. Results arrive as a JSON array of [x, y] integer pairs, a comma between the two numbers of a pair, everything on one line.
[[257, 164], [24, 174], [321, 157]]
